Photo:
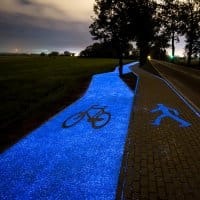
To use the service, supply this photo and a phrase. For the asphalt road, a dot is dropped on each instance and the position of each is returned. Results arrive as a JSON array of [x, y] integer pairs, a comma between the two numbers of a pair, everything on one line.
[[185, 80]]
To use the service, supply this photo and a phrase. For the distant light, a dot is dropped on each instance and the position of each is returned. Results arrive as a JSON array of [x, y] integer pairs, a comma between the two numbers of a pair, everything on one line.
[[16, 50], [149, 57], [171, 57]]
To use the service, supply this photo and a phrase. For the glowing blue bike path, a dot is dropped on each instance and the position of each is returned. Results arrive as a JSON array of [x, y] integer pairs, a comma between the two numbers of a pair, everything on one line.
[[79, 162]]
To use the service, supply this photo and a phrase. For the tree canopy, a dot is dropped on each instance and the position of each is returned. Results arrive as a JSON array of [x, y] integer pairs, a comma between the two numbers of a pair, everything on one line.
[[110, 25], [170, 22], [103, 50], [148, 23], [190, 19]]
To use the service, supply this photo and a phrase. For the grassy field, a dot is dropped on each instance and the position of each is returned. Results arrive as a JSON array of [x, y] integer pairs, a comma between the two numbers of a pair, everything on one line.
[[35, 88]]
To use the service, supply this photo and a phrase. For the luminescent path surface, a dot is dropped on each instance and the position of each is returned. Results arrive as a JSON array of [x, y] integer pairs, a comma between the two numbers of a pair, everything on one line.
[[79, 162]]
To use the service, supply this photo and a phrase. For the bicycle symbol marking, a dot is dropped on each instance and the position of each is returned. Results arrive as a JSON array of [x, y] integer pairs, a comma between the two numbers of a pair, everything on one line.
[[98, 120]]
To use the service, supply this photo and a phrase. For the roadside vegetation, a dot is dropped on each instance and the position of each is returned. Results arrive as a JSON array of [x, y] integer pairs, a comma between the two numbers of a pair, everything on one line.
[[195, 63], [152, 25], [34, 88]]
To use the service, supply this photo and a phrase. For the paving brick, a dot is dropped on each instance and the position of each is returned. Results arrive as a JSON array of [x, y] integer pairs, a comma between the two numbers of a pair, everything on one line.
[[136, 176], [152, 196], [170, 189], [152, 187], [167, 177], [152, 177], [150, 167], [144, 181], [135, 196], [160, 182], [162, 193], [157, 163], [158, 172], [144, 193], [144, 171], [128, 194], [136, 186], [179, 195], [165, 160], [144, 163]]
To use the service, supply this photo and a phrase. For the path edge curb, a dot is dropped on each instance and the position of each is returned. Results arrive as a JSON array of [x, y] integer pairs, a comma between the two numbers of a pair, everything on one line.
[[188, 102], [124, 165]]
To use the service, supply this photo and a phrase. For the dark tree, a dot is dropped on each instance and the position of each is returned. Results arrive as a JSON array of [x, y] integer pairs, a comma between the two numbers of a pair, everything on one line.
[[158, 50], [121, 21], [142, 24], [42, 54], [190, 17], [170, 19], [67, 53], [99, 50], [161, 38], [110, 25], [103, 50], [53, 53]]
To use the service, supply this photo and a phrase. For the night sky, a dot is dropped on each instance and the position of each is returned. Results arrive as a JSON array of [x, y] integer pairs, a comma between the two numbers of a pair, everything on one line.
[[41, 25]]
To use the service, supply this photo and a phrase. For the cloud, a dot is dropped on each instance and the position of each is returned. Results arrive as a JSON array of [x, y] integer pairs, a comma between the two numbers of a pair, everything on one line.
[[20, 31], [46, 24], [75, 10]]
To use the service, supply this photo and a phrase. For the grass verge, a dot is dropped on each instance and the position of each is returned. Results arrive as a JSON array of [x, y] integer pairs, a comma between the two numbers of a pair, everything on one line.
[[35, 88]]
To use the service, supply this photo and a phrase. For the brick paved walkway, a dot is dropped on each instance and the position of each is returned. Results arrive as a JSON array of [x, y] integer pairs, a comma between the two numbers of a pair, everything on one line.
[[160, 162], [186, 80]]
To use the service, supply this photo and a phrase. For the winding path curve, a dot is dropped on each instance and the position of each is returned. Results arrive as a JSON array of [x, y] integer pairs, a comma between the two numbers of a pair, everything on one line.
[[79, 162]]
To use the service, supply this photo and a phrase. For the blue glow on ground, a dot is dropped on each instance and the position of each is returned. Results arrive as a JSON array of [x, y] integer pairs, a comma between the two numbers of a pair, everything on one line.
[[170, 113], [79, 162], [126, 163], [126, 68]]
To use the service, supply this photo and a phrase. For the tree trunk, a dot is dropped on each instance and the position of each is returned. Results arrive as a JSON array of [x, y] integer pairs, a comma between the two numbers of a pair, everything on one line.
[[189, 58], [191, 40], [143, 54], [173, 47], [120, 59], [120, 64], [190, 51], [199, 60]]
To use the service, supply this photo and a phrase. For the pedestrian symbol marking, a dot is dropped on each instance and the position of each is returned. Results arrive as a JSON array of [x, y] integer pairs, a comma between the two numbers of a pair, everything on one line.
[[170, 113], [98, 119]]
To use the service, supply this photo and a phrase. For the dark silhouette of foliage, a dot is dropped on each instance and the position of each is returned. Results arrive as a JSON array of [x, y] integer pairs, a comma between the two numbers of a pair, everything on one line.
[[170, 22], [120, 22], [53, 53], [158, 49], [99, 50], [190, 19], [103, 50], [150, 24], [110, 25], [67, 53], [42, 54], [142, 25]]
